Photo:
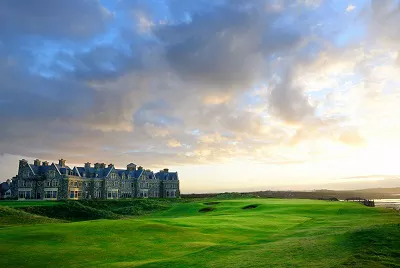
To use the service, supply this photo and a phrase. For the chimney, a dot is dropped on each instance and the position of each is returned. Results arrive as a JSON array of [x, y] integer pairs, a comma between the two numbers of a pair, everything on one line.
[[140, 168], [166, 169], [22, 162], [61, 162], [45, 163], [102, 165], [97, 165], [36, 162], [110, 165], [87, 165], [131, 167]]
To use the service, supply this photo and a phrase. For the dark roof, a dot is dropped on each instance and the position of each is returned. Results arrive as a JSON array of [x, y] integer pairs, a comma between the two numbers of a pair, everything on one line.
[[34, 168], [81, 170], [43, 169], [103, 172], [133, 173], [163, 175]]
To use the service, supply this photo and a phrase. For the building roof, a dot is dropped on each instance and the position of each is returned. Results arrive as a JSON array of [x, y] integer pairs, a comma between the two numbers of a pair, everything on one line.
[[164, 175], [103, 172]]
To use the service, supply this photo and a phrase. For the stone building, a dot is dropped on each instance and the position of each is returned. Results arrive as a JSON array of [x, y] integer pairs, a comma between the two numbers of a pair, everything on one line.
[[46, 181]]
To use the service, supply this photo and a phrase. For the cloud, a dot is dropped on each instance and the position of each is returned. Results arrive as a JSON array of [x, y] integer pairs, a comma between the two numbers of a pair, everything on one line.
[[350, 8], [174, 143], [351, 137], [188, 90], [288, 102], [224, 49], [53, 18]]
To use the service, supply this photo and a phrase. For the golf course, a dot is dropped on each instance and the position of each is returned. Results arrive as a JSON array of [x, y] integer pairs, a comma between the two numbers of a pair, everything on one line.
[[242, 232]]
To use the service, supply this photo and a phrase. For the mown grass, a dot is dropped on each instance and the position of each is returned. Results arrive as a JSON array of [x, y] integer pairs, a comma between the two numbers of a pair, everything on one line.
[[276, 233]]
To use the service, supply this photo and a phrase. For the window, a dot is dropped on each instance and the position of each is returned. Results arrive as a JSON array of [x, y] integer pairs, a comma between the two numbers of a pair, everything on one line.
[[167, 193], [97, 194], [55, 183], [50, 194], [113, 176], [52, 173], [48, 183], [25, 174], [172, 193], [108, 194], [75, 184], [71, 194], [24, 194]]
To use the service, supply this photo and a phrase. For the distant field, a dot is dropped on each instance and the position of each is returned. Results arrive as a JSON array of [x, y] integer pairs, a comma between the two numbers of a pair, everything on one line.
[[268, 233]]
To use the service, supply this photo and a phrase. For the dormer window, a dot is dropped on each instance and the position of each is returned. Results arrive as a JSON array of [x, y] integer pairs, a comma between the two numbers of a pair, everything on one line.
[[52, 173]]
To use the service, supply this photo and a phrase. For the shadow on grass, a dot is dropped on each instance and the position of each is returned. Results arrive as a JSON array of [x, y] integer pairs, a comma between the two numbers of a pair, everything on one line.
[[208, 209], [250, 206]]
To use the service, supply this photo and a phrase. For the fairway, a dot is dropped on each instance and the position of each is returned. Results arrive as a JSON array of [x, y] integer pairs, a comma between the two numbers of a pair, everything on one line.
[[268, 233]]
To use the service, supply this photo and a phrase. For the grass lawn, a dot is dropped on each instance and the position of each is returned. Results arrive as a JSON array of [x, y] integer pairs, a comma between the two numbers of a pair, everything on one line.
[[276, 233], [13, 203]]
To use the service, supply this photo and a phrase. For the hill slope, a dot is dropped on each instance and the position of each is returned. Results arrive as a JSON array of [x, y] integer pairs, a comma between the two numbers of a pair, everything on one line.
[[234, 233]]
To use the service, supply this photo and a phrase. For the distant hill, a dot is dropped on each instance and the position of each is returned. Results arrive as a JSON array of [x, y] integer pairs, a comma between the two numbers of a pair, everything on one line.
[[373, 193]]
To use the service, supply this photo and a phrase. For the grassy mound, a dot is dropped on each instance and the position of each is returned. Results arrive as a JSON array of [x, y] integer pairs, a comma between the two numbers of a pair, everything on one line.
[[234, 195], [207, 209], [374, 247], [10, 216], [250, 206], [211, 203], [71, 211], [131, 207], [83, 210], [279, 233]]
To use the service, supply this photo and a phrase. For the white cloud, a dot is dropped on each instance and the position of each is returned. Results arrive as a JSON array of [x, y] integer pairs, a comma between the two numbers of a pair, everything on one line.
[[350, 8]]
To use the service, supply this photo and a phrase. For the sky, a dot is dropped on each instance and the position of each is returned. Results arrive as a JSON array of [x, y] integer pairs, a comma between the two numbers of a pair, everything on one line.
[[234, 95]]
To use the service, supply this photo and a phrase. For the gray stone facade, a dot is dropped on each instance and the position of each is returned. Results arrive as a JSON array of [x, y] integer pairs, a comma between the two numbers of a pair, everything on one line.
[[44, 181]]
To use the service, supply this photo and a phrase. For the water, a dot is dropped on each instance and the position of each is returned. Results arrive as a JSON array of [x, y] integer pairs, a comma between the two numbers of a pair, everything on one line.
[[388, 203]]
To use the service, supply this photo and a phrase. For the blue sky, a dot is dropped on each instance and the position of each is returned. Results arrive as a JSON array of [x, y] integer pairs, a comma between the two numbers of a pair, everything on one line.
[[284, 89]]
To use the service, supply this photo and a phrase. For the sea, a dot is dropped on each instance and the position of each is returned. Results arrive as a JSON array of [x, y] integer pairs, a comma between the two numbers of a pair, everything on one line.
[[388, 203]]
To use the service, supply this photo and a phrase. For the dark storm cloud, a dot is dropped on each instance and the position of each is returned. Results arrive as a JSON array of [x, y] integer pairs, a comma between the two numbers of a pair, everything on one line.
[[226, 47], [52, 18]]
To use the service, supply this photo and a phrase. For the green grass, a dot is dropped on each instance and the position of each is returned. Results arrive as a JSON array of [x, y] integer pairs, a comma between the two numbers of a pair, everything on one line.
[[12, 203], [277, 233]]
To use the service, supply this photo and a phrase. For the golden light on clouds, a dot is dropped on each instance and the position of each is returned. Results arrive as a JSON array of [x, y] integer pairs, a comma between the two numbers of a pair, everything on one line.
[[212, 89]]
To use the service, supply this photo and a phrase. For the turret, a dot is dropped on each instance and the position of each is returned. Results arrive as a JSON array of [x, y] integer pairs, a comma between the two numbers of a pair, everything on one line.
[[45, 163]]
